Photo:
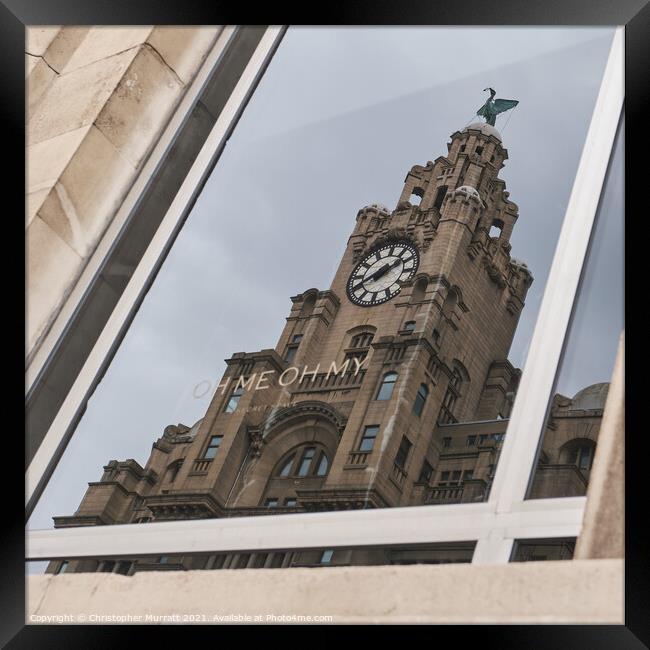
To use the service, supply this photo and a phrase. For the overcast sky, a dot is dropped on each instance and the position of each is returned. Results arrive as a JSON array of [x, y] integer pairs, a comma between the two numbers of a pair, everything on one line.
[[338, 119]]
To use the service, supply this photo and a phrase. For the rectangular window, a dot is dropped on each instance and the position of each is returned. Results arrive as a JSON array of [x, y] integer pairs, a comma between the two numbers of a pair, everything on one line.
[[326, 557], [242, 561], [277, 560], [213, 447], [291, 353], [123, 568], [290, 503], [425, 473], [260, 560], [403, 452], [471, 441], [271, 503], [233, 402], [409, 326], [368, 438], [63, 566], [446, 441]]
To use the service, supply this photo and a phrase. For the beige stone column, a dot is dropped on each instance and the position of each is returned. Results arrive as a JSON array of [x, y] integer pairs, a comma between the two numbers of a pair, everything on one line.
[[603, 528], [98, 99]]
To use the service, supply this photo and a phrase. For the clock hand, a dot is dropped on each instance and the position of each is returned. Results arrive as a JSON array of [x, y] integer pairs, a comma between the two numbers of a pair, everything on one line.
[[383, 270], [377, 274]]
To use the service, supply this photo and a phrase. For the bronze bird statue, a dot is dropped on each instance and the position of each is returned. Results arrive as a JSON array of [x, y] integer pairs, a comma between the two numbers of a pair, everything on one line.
[[493, 107]]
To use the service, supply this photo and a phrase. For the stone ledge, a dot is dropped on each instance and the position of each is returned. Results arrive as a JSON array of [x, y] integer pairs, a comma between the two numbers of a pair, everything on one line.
[[578, 592]]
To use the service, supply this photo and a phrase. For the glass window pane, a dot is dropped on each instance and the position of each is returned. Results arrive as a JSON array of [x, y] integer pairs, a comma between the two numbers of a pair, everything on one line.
[[543, 550], [405, 554], [305, 462], [360, 191], [368, 440], [570, 436], [387, 385], [291, 354], [286, 468], [323, 466]]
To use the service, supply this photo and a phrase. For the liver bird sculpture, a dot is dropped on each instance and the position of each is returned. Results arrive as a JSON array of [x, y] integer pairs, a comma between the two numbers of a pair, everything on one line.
[[493, 107]]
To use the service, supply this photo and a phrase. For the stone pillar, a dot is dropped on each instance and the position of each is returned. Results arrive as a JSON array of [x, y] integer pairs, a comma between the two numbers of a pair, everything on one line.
[[98, 99], [603, 526]]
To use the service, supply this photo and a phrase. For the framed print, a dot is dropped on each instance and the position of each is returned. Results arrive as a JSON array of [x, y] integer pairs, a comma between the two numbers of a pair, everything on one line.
[[339, 303]]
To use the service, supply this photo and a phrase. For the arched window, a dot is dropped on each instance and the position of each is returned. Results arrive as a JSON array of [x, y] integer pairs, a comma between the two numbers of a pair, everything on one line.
[[416, 196], [440, 195], [419, 290], [385, 391], [420, 399], [579, 453], [172, 470], [308, 305], [234, 399], [361, 340], [359, 346], [309, 460], [450, 302], [496, 228]]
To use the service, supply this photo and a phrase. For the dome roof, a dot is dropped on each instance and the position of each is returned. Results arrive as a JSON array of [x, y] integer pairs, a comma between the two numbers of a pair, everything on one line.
[[590, 398], [485, 128]]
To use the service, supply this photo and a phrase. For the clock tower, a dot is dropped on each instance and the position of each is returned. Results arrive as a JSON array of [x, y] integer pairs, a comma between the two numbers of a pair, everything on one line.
[[413, 334], [391, 387]]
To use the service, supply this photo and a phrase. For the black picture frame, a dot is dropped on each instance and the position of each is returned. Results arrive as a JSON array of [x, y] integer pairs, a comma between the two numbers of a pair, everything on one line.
[[634, 14]]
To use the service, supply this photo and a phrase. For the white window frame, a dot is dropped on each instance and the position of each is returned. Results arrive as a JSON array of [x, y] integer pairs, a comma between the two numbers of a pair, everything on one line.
[[494, 525]]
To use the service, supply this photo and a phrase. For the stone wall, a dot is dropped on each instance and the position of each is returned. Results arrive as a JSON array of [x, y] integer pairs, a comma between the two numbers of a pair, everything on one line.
[[586, 591], [98, 99]]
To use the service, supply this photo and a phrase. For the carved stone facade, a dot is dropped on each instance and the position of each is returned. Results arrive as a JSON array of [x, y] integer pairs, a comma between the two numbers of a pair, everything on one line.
[[399, 404]]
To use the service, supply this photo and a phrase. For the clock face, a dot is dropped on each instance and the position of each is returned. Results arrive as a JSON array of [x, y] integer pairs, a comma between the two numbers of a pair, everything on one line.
[[378, 277]]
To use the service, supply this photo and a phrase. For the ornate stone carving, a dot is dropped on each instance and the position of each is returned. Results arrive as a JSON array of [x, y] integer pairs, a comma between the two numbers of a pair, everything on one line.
[[177, 433], [397, 233], [308, 407], [256, 441], [494, 273]]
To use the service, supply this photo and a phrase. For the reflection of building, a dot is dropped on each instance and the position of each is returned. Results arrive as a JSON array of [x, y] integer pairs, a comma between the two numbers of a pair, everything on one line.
[[391, 388], [569, 443]]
